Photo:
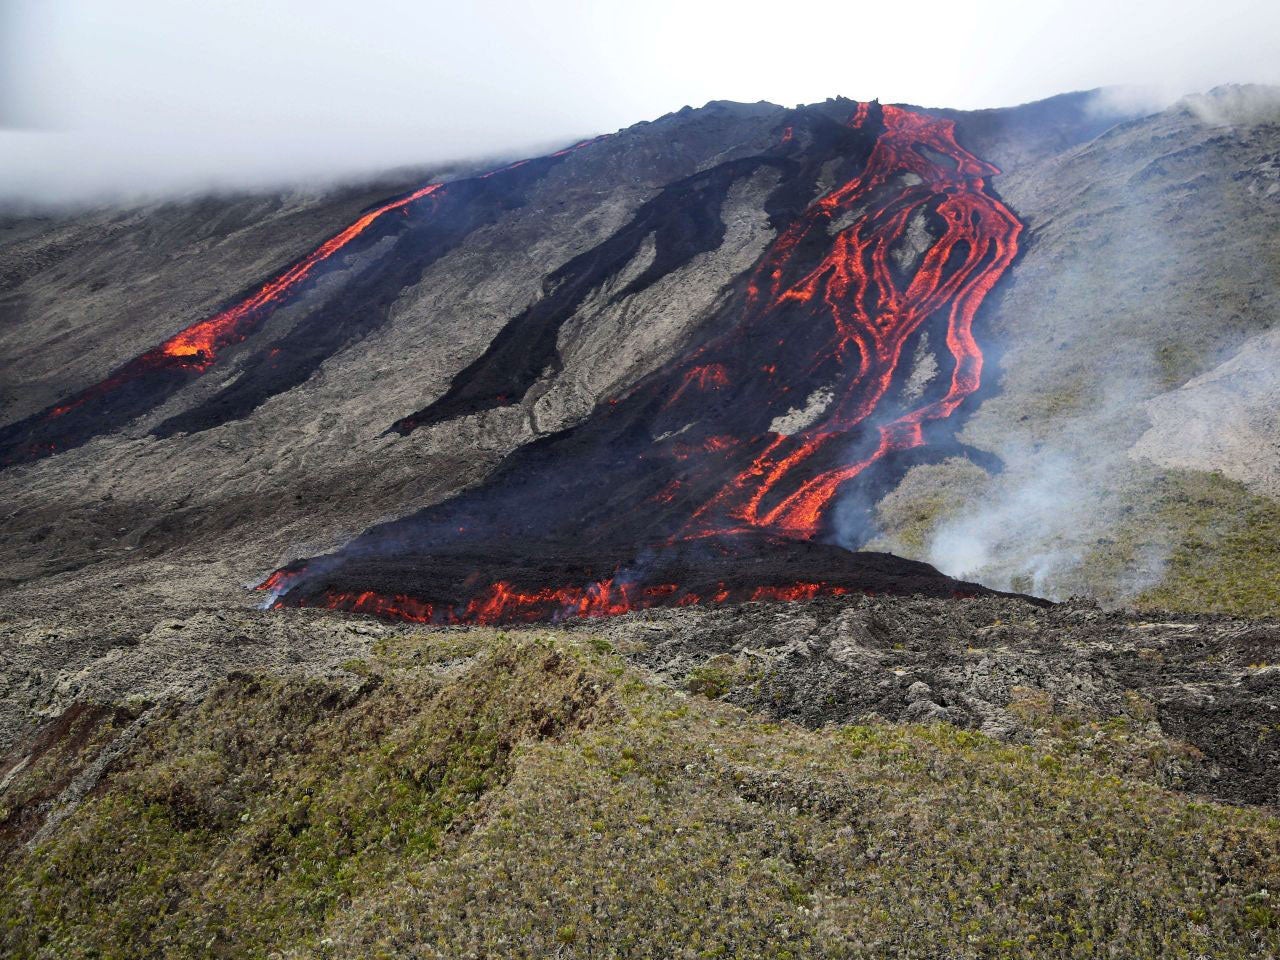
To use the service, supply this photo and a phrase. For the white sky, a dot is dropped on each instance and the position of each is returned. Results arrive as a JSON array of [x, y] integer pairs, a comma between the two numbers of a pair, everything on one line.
[[111, 96]]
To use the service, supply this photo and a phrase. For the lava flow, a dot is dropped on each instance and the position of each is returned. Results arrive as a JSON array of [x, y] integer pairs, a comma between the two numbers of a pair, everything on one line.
[[503, 603], [147, 380], [197, 347], [144, 382], [871, 315], [717, 478]]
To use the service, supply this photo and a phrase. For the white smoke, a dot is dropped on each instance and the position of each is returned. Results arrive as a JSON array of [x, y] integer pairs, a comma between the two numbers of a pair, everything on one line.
[[1021, 532], [1236, 104], [1036, 526], [1066, 503], [1036, 529], [1132, 101]]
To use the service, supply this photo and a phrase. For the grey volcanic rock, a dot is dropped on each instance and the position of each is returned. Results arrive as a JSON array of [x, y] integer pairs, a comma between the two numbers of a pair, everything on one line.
[[919, 692], [311, 467], [1227, 419], [1192, 702]]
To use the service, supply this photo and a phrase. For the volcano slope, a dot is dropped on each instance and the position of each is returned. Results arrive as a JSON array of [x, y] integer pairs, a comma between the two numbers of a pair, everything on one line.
[[729, 497], [689, 362], [219, 399], [908, 242], [678, 371], [1133, 415]]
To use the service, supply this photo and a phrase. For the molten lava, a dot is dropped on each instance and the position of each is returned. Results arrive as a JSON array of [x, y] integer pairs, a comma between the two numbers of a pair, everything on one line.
[[716, 479], [503, 603], [916, 166]]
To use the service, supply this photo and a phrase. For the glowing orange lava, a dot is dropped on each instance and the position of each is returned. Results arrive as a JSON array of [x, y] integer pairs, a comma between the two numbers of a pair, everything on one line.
[[201, 341], [503, 603], [915, 165], [197, 346]]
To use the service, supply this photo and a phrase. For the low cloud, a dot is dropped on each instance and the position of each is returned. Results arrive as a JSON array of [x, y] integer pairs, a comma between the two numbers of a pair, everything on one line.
[[146, 97]]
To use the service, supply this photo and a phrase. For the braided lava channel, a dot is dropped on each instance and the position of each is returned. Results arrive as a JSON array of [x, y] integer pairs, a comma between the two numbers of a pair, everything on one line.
[[719, 478]]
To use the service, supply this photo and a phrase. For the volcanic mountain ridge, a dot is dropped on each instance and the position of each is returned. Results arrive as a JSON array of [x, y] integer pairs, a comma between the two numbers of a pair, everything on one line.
[[691, 362]]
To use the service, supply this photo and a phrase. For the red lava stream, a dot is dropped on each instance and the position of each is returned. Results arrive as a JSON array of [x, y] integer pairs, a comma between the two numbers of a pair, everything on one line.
[[867, 311], [503, 603], [871, 317]]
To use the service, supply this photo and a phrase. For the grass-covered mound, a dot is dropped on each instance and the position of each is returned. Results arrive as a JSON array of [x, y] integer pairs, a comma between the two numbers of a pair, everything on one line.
[[470, 795], [1227, 559]]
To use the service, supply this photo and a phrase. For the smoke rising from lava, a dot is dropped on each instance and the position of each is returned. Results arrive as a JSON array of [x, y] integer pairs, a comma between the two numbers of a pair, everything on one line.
[[1071, 476]]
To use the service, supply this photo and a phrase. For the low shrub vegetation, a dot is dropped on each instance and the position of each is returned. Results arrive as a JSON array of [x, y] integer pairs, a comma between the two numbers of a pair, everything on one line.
[[1227, 556], [534, 797]]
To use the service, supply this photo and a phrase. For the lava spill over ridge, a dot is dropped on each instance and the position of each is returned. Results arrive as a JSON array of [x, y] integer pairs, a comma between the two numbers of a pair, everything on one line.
[[871, 315], [727, 474]]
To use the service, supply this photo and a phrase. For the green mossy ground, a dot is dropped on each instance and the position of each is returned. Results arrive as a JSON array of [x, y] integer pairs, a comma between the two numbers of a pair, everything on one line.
[[1227, 559], [469, 795], [1221, 545], [930, 495]]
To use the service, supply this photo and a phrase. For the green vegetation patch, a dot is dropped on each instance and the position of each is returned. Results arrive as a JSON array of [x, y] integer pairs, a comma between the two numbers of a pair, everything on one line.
[[1219, 542], [60, 751], [928, 495], [691, 827], [721, 674], [545, 800], [243, 825], [1227, 556]]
